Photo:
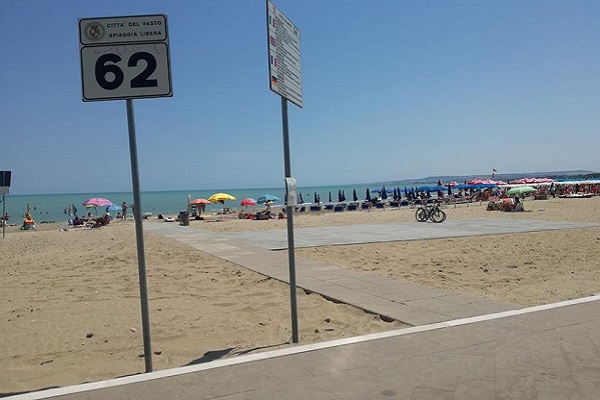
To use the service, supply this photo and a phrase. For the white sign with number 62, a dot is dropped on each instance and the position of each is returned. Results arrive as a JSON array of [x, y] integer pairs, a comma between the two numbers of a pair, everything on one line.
[[125, 71]]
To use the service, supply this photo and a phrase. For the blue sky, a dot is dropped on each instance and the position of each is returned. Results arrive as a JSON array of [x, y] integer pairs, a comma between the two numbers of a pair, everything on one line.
[[392, 90]]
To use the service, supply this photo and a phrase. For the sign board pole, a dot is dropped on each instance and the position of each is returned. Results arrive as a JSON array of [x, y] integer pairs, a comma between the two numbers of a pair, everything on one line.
[[126, 58], [290, 222], [139, 235], [285, 79]]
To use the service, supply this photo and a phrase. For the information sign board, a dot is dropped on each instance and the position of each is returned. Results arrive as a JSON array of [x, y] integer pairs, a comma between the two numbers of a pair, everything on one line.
[[4, 182], [285, 70], [124, 57]]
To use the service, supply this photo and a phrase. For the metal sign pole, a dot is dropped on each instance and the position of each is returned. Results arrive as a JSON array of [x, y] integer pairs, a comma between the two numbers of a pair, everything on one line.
[[139, 235], [290, 222]]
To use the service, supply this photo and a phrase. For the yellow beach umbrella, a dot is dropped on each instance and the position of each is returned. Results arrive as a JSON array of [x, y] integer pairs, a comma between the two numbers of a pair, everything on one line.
[[220, 197]]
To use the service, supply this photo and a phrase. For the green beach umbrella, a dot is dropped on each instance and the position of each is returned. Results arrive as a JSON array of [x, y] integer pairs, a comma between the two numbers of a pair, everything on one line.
[[521, 190]]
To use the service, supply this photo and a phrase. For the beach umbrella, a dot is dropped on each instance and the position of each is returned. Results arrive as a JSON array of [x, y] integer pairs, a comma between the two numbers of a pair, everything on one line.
[[330, 196], [220, 197], [340, 198], [354, 196], [300, 199], [521, 190], [317, 198], [97, 202], [248, 201], [343, 196], [267, 197], [383, 193], [197, 202], [112, 207], [368, 195]]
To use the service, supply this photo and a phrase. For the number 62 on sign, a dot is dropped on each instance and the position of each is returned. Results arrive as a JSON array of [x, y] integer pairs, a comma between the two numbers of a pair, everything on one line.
[[122, 71]]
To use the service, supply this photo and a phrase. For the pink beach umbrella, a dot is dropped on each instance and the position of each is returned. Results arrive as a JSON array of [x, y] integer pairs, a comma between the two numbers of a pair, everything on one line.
[[198, 202], [97, 202]]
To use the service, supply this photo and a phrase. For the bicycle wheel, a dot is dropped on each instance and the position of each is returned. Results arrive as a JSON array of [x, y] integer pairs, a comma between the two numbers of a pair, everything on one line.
[[437, 216], [421, 215]]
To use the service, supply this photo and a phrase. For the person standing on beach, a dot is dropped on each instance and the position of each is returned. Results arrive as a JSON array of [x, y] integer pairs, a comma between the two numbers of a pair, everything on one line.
[[124, 209]]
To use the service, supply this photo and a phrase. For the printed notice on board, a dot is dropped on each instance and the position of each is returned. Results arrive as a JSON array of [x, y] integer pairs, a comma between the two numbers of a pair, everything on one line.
[[285, 71]]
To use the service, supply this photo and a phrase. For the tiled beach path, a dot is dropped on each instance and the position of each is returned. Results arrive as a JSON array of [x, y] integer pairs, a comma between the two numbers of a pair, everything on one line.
[[410, 303]]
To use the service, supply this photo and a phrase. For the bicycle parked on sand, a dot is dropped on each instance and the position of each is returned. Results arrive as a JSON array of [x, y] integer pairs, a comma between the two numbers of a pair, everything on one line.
[[432, 212]]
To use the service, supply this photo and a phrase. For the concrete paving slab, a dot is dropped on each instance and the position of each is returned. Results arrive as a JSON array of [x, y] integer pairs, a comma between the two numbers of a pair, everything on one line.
[[368, 233], [378, 295]]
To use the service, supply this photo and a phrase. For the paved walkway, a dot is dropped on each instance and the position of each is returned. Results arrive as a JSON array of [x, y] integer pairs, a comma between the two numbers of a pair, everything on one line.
[[276, 239], [410, 303]]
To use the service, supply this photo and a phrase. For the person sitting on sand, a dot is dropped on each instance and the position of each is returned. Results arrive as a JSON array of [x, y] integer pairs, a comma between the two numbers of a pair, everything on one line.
[[107, 218], [263, 215], [281, 215], [28, 222], [517, 204]]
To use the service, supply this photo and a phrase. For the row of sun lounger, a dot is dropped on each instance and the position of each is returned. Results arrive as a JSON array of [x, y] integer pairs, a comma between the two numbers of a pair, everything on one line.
[[353, 206]]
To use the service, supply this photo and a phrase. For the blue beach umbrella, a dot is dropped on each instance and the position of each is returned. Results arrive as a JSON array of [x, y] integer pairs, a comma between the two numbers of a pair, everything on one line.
[[383, 193], [113, 207], [267, 197]]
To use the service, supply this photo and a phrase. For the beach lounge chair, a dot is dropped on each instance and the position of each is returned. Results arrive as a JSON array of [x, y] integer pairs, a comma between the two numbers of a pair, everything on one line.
[[352, 206], [339, 208], [315, 208]]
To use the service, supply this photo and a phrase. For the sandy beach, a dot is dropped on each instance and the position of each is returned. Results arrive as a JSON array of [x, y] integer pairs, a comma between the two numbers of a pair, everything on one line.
[[70, 298]]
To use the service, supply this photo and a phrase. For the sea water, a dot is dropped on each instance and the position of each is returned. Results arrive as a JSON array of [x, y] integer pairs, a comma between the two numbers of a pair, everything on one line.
[[54, 207]]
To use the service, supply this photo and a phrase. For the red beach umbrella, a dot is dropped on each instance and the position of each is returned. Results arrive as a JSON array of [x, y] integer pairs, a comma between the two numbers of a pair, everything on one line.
[[248, 202]]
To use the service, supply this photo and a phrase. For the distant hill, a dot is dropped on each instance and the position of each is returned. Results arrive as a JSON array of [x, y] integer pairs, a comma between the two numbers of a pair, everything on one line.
[[576, 174]]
